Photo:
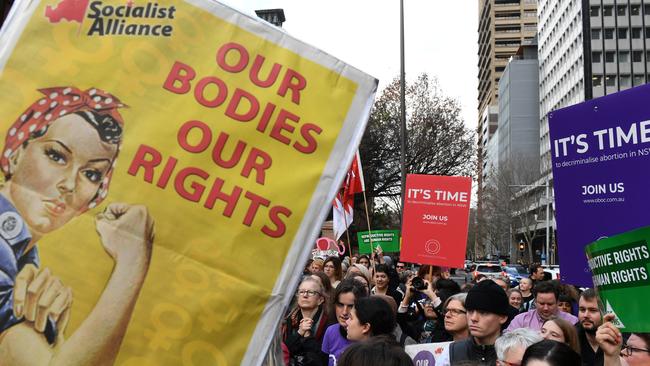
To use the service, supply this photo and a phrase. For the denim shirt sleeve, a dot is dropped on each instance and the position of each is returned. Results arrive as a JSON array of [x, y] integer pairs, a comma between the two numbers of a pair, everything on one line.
[[12, 260]]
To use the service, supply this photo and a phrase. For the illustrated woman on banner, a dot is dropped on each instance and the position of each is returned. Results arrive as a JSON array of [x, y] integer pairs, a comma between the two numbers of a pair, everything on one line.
[[57, 162]]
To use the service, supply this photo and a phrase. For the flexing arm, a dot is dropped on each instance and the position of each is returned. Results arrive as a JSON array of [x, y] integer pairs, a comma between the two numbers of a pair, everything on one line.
[[127, 235]]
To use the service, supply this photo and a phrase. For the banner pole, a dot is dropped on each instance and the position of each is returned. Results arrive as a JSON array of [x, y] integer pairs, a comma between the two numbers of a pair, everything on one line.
[[365, 206], [347, 234], [345, 221], [349, 250]]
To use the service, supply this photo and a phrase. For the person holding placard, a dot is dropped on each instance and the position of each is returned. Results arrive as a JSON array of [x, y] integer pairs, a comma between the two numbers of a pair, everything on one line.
[[634, 352]]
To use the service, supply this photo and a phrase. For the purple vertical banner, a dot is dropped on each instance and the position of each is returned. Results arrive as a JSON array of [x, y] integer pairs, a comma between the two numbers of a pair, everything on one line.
[[600, 151]]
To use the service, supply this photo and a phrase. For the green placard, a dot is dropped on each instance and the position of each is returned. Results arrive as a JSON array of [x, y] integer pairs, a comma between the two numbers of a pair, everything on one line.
[[387, 239], [621, 275]]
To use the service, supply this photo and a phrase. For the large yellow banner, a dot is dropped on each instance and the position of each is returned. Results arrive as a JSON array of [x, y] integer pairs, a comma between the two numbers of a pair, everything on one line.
[[167, 166]]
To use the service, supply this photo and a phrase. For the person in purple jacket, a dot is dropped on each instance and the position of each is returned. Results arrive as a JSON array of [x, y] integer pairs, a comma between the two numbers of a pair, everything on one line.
[[335, 340]]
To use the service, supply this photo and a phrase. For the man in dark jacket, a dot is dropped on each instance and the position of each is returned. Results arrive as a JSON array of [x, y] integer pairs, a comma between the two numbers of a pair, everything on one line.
[[487, 309], [589, 320]]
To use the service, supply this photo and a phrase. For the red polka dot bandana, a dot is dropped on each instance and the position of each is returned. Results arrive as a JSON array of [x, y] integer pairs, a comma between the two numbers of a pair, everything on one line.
[[58, 102]]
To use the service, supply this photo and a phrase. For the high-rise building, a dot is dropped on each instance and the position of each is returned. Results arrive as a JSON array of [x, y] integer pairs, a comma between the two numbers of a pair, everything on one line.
[[588, 49], [562, 70], [489, 161], [503, 25], [619, 33], [518, 129]]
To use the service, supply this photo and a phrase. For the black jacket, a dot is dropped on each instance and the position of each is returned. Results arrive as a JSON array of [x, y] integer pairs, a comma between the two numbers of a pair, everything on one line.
[[468, 350]]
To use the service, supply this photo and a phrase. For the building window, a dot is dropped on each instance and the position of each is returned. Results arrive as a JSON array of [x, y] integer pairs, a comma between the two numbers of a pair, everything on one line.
[[635, 9], [638, 80], [610, 80], [595, 34], [607, 10], [646, 9], [637, 56], [596, 57], [622, 33], [623, 56], [636, 33], [597, 80], [625, 81], [621, 10], [609, 56], [609, 33]]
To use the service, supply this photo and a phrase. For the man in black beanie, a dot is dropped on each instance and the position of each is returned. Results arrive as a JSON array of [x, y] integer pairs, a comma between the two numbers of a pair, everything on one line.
[[487, 309]]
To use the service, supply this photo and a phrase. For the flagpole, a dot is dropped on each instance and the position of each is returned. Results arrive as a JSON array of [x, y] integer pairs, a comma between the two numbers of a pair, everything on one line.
[[345, 218], [347, 232], [345, 221], [365, 204]]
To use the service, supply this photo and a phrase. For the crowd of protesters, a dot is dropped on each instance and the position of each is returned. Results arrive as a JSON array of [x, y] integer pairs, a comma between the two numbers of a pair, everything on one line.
[[364, 310]]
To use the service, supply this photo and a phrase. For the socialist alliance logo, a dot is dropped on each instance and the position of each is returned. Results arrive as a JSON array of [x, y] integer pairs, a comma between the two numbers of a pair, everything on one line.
[[129, 19], [70, 10]]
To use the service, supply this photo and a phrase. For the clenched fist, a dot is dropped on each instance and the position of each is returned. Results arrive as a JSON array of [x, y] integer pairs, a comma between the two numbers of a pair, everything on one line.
[[127, 233]]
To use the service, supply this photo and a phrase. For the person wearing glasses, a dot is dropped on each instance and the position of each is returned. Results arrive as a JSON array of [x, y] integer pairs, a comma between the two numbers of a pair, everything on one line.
[[304, 327], [333, 270], [511, 346], [456, 317], [336, 340], [634, 352], [400, 267]]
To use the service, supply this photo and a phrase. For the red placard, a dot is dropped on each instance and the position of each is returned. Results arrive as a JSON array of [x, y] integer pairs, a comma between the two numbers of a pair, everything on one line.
[[436, 216]]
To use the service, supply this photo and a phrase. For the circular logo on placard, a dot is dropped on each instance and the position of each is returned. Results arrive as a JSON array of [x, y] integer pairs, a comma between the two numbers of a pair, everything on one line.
[[432, 246], [424, 358], [10, 225]]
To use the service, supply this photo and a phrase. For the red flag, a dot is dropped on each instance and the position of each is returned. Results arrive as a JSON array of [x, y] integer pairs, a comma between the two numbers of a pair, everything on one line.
[[344, 201]]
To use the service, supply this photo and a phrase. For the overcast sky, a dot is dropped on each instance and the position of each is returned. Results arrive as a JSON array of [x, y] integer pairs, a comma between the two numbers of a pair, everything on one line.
[[440, 38]]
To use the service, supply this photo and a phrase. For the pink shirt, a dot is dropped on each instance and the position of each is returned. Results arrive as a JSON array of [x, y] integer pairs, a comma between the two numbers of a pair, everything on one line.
[[532, 320]]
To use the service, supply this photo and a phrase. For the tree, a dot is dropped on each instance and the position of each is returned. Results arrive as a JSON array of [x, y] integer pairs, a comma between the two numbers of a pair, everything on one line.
[[512, 203], [438, 142]]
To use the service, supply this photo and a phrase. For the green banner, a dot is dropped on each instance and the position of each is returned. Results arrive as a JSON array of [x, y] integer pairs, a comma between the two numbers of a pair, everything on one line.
[[620, 272], [388, 240]]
